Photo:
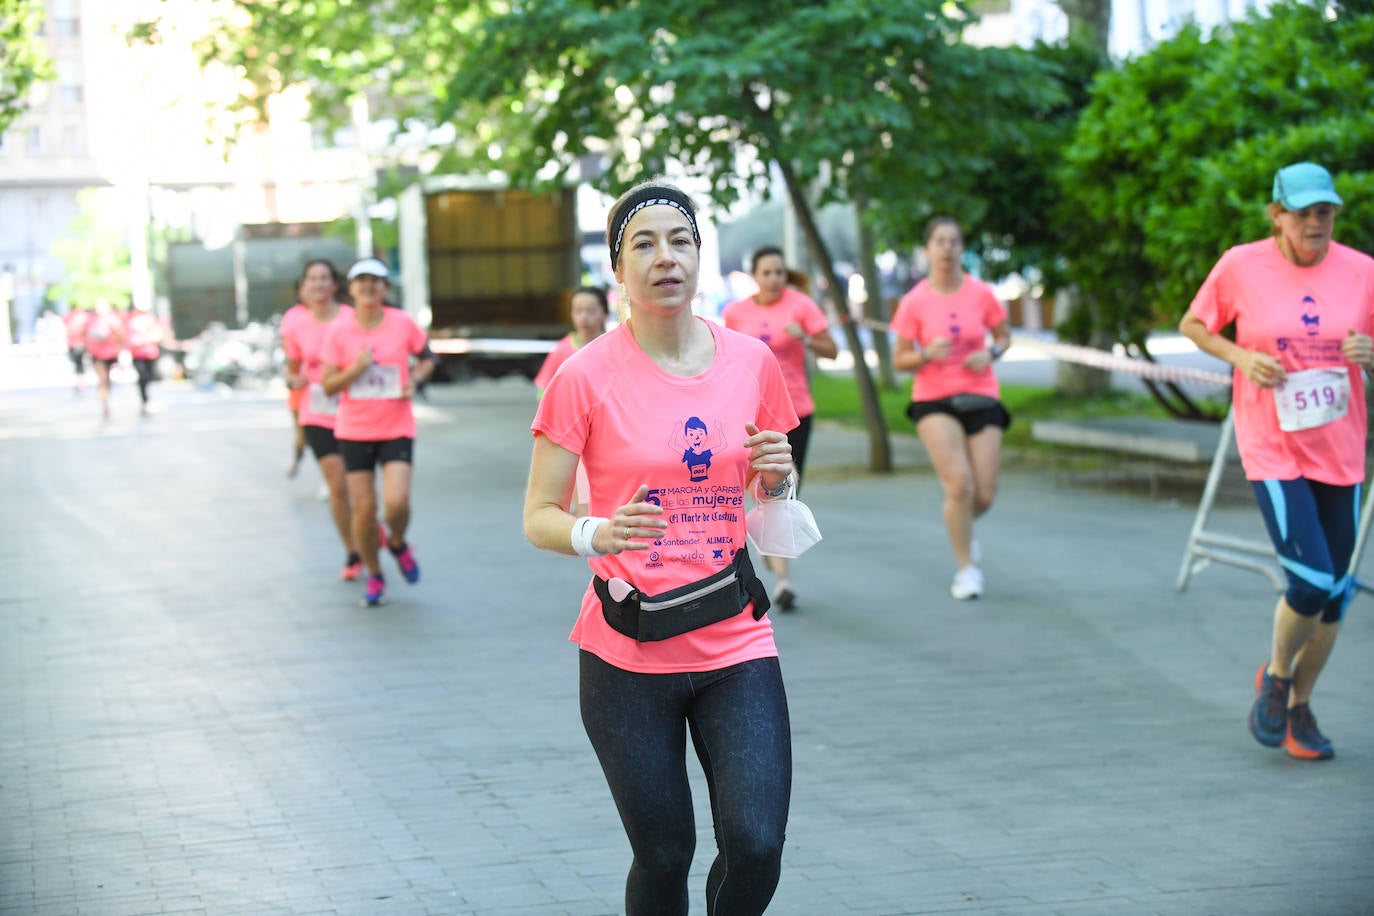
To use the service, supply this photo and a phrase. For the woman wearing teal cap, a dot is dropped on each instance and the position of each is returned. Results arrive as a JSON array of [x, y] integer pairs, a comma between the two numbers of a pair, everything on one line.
[[1303, 310]]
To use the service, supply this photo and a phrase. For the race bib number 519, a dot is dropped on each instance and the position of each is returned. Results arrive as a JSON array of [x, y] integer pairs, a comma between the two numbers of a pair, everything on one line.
[[1312, 398]]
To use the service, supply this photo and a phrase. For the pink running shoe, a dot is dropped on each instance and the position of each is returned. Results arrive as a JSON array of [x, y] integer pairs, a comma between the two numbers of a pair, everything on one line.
[[405, 559], [376, 591]]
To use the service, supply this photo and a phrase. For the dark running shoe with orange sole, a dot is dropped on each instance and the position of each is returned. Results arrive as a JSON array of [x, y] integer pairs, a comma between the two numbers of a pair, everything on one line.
[[1303, 740], [1269, 716]]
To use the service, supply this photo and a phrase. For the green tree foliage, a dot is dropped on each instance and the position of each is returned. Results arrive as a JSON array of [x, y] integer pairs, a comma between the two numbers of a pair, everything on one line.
[[998, 179], [23, 59], [95, 258], [846, 99], [1173, 159], [873, 100]]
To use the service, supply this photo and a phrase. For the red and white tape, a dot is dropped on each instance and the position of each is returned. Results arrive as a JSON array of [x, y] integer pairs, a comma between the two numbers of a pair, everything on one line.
[[1109, 362]]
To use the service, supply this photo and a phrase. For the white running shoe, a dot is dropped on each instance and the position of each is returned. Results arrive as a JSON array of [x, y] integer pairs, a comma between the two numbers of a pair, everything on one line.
[[968, 583]]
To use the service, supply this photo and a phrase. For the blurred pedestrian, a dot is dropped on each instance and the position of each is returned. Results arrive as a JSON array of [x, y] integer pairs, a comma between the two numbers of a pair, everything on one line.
[[303, 341], [104, 341], [145, 332], [1302, 306], [75, 321], [791, 324], [295, 382], [673, 632], [590, 310], [950, 329], [367, 360]]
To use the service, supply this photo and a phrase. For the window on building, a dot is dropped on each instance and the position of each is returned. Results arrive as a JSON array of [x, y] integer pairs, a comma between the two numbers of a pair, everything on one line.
[[35, 147], [72, 141], [66, 19], [69, 91]]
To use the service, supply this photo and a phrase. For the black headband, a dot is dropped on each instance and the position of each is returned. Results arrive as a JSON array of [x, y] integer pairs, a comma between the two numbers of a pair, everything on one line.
[[649, 196]]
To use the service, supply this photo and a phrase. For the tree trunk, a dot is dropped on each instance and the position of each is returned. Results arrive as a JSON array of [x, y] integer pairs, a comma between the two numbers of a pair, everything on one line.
[[879, 447], [1089, 21], [875, 308], [1074, 378]]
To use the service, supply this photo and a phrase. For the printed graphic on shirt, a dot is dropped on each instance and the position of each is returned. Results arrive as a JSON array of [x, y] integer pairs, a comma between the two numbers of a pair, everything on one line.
[[693, 512], [695, 441], [1311, 348]]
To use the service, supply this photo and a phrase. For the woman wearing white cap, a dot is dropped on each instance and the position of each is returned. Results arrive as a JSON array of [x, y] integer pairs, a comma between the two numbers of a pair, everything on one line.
[[367, 361], [1303, 310]]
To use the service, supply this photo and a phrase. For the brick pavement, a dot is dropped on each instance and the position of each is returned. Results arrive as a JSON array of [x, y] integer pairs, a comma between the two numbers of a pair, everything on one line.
[[195, 718]]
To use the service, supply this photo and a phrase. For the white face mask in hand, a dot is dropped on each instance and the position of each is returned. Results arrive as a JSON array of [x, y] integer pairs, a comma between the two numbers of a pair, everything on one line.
[[783, 527]]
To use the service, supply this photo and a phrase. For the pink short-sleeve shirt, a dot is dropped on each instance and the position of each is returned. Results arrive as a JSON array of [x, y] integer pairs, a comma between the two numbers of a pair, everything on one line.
[[1300, 315], [769, 324], [303, 341], [393, 343], [964, 317], [632, 424], [557, 357]]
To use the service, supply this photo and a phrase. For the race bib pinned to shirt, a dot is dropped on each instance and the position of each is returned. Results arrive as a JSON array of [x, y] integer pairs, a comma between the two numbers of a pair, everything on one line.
[[376, 382], [1312, 398], [325, 405]]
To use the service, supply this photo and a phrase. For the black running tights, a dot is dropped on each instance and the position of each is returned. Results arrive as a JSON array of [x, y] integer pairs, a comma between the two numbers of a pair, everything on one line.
[[737, 718]]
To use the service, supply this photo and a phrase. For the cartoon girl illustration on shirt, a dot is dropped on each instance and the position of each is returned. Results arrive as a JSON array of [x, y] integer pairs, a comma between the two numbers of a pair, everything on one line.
[[697, 443]]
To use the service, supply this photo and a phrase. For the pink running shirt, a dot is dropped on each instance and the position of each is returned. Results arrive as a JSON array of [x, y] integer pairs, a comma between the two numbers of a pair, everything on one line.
[[303, 340], [769, 324], [557, 357], [393, 343], [295, 397], [965, 317], [75, 322], [105, 335], [1300, 315], [145, 332], [635, 424]]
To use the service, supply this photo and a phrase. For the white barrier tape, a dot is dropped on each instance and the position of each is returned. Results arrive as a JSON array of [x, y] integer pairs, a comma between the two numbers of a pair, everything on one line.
[[1098, 359], [1110, 362]]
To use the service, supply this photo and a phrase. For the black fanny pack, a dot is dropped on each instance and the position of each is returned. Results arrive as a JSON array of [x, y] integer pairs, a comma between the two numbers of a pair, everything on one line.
[[649, 618]]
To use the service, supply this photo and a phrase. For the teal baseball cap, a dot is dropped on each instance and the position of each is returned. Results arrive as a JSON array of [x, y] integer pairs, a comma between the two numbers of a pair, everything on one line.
[[1303, 184]]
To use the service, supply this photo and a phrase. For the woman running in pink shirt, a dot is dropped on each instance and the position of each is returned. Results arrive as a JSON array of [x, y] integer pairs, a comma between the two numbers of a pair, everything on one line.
[[590, 310], [104, 341], [950, 329], [791, 324], [673, 632], [146, 332], [1303, 310], [303, 341], [367, 361]]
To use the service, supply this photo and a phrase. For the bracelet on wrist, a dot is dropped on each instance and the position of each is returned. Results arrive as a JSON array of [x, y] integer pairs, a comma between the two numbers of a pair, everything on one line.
[[996, 351], [765, 493]]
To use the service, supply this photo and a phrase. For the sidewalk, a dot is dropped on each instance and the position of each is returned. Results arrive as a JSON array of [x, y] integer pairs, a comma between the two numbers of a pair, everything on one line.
[[197, 718]]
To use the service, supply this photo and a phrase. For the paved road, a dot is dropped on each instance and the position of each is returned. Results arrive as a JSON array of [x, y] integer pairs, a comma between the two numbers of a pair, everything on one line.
[[195, 718]]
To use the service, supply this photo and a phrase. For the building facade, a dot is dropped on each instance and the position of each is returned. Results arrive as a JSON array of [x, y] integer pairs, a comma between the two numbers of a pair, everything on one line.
[[141, 132]]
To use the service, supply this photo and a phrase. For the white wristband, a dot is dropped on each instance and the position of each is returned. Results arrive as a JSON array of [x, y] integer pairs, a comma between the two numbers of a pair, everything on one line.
[[582, 532]]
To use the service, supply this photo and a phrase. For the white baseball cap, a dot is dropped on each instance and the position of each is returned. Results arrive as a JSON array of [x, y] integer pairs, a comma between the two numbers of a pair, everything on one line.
[[370, 267]]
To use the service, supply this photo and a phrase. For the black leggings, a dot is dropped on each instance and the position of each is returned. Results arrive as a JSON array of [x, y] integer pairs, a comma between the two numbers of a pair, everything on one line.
[[739, 726], [799, 438], [144, 368]]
